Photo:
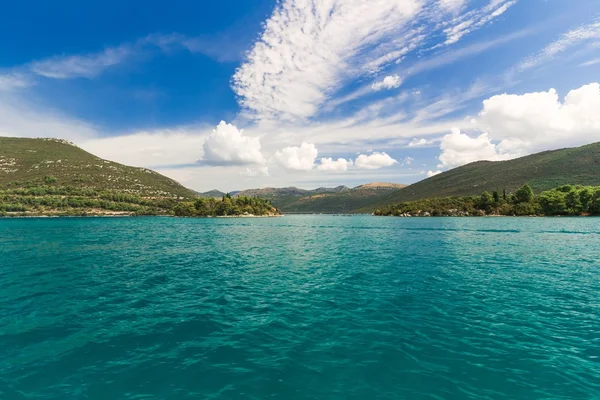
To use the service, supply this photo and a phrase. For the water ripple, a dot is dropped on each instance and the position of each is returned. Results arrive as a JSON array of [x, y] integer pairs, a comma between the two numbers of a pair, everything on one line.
[[301, 307]]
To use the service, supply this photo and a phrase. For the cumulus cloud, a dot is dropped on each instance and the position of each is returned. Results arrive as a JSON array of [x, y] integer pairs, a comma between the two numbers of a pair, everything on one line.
[[331, 165], [569, 39], [459, 149], [297, 158], [540, 121], [389, 82], [227, 145], [433, 173], [420, 142], [375, 160]]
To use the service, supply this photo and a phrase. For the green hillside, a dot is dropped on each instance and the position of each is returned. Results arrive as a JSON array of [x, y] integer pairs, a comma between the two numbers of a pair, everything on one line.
[[542, 171], [35, 162], [340, 199]]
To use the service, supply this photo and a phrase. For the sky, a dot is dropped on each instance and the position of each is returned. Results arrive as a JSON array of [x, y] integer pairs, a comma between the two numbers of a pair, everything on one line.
[[241, 94]]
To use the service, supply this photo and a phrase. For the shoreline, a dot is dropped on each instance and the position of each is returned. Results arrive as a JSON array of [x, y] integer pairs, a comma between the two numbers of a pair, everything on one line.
[[133, 216]]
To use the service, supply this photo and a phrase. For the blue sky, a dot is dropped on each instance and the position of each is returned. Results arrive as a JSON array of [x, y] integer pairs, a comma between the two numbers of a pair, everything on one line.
[[239, 94]]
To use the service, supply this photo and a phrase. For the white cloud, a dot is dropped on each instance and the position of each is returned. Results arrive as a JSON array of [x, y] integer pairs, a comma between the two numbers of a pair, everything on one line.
[[83, 66], [309, 48], [476, 19], [255, 171], [453, 5], [329, 164], [420, 142], [11, 82], [459, 149], [590, 63], [227, 145], [150, 149], [450, 57], [433, 173], [92, 64], [21, 118], [540, 121], [389, 82], [566, 41], [375, 160], [297, 158]]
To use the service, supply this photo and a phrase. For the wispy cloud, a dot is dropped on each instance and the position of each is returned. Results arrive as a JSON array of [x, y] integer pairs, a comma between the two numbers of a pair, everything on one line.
[[11, 82], [309, 50], [93, 64], [590, 63], [82, 66], [566, 41], [475, 19]]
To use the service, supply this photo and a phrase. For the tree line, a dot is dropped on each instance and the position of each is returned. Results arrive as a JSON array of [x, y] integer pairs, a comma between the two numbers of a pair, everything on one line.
[[562, 200], [66, 200], [226, 206]]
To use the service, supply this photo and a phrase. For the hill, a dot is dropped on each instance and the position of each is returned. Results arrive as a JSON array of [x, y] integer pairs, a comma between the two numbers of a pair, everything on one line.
[[542, 171], [211, 194], [340, 199], [35, 162]]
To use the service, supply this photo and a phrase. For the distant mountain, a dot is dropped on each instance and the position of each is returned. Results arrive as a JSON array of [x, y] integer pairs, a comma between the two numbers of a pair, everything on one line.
[[267, 193], [542, 171], [27, 162], [340, 199], [211, 193]]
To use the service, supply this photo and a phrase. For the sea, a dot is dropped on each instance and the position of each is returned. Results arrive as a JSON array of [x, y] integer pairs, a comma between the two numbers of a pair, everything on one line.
[[300, 307]]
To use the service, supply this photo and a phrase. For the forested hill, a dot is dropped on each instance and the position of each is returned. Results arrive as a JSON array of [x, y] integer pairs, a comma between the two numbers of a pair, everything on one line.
[[35, 162], [542, 171]]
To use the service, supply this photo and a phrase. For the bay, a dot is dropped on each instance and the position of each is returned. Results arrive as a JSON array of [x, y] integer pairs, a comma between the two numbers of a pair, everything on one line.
[[300, 307]]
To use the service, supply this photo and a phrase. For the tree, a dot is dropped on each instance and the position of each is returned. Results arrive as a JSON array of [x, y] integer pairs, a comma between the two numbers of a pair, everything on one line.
[[553, 202], [586, 196], [496, 196], [524, 194], [572, 202], [486, 201], [594, 206], [185, 209]]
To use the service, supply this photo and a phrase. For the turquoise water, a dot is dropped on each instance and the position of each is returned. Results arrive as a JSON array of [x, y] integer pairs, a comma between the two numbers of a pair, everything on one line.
[[301, 307]]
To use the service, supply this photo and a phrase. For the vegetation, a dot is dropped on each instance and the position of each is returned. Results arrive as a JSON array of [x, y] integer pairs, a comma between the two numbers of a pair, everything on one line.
[[226, 206], [543, 171], [72, 201], [69, 200], [563, 200], [38, 162]]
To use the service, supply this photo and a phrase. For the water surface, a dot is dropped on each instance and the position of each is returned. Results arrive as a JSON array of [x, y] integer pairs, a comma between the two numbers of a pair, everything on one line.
[[301, 307]]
